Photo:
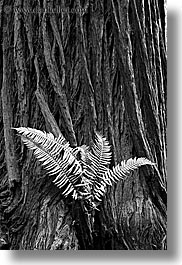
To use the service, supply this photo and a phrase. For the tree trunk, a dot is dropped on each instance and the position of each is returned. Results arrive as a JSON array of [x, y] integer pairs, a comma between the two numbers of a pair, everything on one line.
[[77, 67]]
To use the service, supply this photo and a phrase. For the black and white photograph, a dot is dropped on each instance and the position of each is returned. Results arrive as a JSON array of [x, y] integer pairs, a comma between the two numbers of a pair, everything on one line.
[[83, 125]]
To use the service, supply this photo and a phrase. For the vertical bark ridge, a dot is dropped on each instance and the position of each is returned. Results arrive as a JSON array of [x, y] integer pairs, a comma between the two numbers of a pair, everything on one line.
[[55, 79], [91, 88], [49, 118], [8, 104]]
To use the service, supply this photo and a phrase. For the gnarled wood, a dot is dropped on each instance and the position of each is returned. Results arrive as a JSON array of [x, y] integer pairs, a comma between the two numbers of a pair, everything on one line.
[[101, 66]]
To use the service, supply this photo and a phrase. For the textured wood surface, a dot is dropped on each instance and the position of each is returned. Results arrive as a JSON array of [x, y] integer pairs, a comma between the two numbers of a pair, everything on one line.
[[101, 66]]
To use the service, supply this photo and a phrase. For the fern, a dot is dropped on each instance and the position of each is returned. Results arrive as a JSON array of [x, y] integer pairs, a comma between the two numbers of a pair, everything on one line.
[[82, 171], [120, 172], [55, 156], [98, 158]]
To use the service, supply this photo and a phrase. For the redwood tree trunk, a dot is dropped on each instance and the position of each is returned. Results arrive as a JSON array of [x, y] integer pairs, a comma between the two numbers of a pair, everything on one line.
[[75, 67]]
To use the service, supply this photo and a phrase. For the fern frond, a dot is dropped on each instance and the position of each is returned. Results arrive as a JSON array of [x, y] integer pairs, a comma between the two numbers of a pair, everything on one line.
[[94, 162], [56, 157], [118, 173], [122, 170], [61, 141], [82, 171], [98, 158]]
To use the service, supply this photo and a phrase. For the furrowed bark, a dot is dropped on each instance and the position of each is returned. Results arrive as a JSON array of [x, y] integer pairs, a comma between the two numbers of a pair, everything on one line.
[[28, 26], [59, 42], [91, 88], [7, 104], [49, 118], [20, 64], [55, 79], [89, 66]]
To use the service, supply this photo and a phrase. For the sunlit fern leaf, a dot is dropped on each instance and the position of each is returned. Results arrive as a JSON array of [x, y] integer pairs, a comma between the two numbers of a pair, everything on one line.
[[61, 141], [94, 162], [123, 169], [98, 158], [119, 172], [82, 171], [83, 155], [56, 157], [99, 189]]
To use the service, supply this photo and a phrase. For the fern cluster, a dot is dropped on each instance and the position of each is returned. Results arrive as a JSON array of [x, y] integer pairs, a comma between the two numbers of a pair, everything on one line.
[[82, 172]]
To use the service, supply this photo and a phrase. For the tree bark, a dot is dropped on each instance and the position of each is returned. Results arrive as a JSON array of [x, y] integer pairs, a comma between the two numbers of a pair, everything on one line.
[[77, 67]]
